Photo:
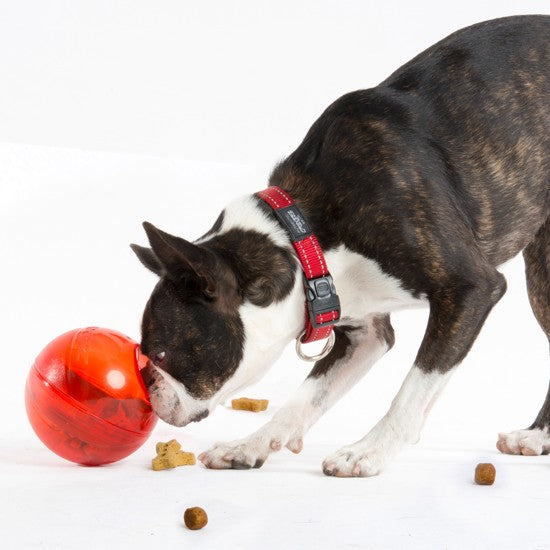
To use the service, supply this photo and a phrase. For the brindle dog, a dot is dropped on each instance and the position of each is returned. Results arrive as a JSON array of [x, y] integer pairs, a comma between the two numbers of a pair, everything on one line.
[[417, 189]]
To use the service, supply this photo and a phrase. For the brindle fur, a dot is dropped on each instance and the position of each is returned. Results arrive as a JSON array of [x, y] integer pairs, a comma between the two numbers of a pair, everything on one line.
[[384, 330]]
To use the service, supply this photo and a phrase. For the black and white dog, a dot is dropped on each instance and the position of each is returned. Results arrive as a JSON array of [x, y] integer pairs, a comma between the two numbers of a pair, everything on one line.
[[417, 190]]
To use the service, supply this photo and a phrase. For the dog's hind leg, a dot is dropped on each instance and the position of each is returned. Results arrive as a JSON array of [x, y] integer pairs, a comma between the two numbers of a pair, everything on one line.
[[356, 349], [535, 440], [457, 312]]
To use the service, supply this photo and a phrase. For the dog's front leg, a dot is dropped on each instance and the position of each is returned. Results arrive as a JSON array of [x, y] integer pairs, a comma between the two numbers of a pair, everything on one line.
[[356, 349], [456, 316]]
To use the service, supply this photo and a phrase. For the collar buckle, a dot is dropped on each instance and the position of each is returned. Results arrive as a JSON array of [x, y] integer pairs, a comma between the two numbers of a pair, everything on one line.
[[322, 301]]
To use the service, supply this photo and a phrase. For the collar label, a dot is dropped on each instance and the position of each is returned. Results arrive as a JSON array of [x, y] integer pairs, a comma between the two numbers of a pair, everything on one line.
[[294, 222]]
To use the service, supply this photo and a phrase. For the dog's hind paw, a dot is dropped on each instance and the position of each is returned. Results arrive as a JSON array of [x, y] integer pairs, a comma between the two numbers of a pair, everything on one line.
[[525, 442]]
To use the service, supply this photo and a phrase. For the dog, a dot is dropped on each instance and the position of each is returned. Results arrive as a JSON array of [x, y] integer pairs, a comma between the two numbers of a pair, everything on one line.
[[416, 190]]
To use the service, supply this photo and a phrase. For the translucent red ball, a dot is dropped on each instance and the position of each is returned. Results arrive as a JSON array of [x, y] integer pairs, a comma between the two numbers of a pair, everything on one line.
[[85, 398]]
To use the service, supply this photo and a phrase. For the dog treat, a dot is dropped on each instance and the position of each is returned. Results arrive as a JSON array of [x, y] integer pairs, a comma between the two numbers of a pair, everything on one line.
[[195, 518], [485, 474], [246, 404], [169, 455]]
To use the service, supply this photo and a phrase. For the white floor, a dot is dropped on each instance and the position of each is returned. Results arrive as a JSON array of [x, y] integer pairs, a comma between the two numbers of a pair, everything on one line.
[[66, 218], [426, 500]]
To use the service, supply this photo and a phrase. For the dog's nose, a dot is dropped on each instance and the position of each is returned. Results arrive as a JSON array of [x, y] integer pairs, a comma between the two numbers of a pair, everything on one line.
[[148, 374]]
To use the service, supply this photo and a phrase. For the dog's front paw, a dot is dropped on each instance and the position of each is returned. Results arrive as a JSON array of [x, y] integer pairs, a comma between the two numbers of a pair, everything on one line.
[[524, 442], [238, 455], [369, 456], [252, 451], [355, 461]]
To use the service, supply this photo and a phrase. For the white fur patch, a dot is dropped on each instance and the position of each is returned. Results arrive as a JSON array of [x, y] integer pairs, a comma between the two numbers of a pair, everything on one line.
[[364, 288], [400, 426], [243, 213], [267, 331]]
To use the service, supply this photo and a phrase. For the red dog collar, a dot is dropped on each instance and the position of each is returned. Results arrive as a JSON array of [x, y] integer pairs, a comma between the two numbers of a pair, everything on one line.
[[322, 302]]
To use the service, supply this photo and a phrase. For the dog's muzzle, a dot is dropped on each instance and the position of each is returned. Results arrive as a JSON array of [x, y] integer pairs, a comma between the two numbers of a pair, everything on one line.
[[169, 399]]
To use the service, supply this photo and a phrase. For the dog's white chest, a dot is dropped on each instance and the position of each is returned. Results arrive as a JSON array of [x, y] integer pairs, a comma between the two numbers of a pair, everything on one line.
[[364, 288]]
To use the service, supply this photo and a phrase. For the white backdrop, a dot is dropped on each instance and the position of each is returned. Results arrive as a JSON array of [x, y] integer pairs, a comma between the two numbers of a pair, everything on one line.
[[113, 112], [237, 81]]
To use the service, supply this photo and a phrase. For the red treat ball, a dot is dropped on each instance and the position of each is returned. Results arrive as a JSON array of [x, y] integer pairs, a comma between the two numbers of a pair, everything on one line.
[[85, 397]]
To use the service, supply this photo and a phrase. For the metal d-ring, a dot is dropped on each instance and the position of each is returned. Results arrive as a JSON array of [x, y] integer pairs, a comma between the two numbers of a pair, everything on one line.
[[324, 352]]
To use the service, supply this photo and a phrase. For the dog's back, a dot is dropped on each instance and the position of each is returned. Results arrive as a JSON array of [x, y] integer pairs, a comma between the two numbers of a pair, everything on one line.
[[485, 95], [459, 138]]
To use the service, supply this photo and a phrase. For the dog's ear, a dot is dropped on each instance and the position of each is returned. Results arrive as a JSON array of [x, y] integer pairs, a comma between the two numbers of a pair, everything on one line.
[[147, 257], [266, 272], [179, 258]]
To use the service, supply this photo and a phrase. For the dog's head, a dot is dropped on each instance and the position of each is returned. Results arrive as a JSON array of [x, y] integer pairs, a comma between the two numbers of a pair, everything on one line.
[[202, 326]]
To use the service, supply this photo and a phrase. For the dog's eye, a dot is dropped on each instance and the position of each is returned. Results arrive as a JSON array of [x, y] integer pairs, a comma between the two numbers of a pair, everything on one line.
[[159, 357]]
